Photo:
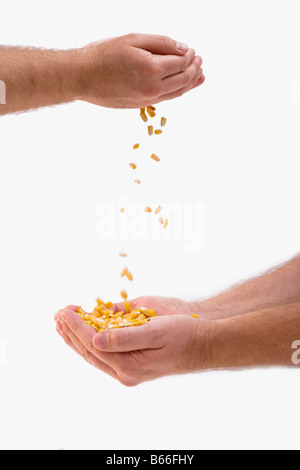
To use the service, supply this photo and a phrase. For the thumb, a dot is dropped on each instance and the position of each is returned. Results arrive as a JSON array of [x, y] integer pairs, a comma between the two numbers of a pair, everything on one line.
[[148, 336], [160, 44]]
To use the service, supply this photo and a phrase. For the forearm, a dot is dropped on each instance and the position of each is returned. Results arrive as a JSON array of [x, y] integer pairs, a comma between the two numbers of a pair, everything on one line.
[[258, 339], [279, 286], [36, 78]]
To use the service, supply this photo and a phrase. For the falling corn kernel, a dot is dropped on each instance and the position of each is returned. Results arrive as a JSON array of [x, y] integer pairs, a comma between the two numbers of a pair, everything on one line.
[[124, 294], [150, 130], [123, 255], [143, 115], [195, 316], [122, 209], [155, 157], [158, 132], [127, 306], [136, 146], [124, 272], [163, 122], [166, 223], [158, 210], [148, 209], [151, 111], [132, 165], [129, 275], [137, 181], [161, 220]]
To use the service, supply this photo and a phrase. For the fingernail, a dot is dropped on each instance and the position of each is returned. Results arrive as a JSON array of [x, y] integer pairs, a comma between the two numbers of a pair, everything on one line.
[[100, 341], [182, 47]]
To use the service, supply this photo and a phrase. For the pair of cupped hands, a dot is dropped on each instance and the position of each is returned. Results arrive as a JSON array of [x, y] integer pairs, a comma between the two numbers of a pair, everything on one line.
[[135, 71]]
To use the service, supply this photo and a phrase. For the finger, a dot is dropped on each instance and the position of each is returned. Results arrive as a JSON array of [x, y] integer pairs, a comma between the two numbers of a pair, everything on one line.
[[84, 332], [183, 79], [78, 347], [148, 336], [74, 308], [172, 64], [200, 82], [194, 84], [159, 44]]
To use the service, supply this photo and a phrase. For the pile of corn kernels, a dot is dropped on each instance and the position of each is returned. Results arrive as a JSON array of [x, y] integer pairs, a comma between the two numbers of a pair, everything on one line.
[[104, 317]]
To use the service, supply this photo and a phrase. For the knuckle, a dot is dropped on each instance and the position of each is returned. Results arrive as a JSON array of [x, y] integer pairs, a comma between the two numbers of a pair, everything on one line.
[[132, 36], [165, 40], [152, 91], [186, 78], [179, 93], [155, 69], [184, 63]]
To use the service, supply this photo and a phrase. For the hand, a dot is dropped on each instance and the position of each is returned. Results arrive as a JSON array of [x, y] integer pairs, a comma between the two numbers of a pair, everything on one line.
[[172, 343], [138, 70]]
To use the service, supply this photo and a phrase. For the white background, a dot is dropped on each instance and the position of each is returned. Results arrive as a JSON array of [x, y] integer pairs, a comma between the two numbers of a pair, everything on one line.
[[232, 147]]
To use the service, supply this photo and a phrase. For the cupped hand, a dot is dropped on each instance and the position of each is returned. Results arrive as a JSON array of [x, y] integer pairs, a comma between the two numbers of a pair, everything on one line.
[[172, 343], [138, 70]]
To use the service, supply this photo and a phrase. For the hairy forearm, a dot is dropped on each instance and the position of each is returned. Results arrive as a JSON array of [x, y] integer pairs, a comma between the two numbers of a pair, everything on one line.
[[277, 287], [261, 338], [36, 78]]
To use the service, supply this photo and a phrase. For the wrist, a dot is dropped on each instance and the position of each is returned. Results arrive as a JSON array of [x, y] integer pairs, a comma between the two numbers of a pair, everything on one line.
[[202, 358], [71, 64]]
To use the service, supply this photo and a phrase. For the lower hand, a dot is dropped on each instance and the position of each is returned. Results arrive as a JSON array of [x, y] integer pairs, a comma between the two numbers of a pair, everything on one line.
[[172, 343]]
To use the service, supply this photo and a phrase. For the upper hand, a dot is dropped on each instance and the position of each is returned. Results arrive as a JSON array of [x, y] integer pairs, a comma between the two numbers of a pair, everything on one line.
[[137, 70]]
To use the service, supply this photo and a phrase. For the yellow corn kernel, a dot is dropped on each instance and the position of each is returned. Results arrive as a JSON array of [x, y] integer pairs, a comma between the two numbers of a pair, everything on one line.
[[122, 210], [163, 122], [148, 209], [151, 111], [158, 210], [158, 132], [81, 311], [137, 181], [150, 130], [155, 157], [124, 272], [143, 115], [123, 255], [195, 316], [129, 275], [132, 165], [148, 312], [127, 306], [109, 305], [166, 223], [124, 294], [136, 146], [161, 220]]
